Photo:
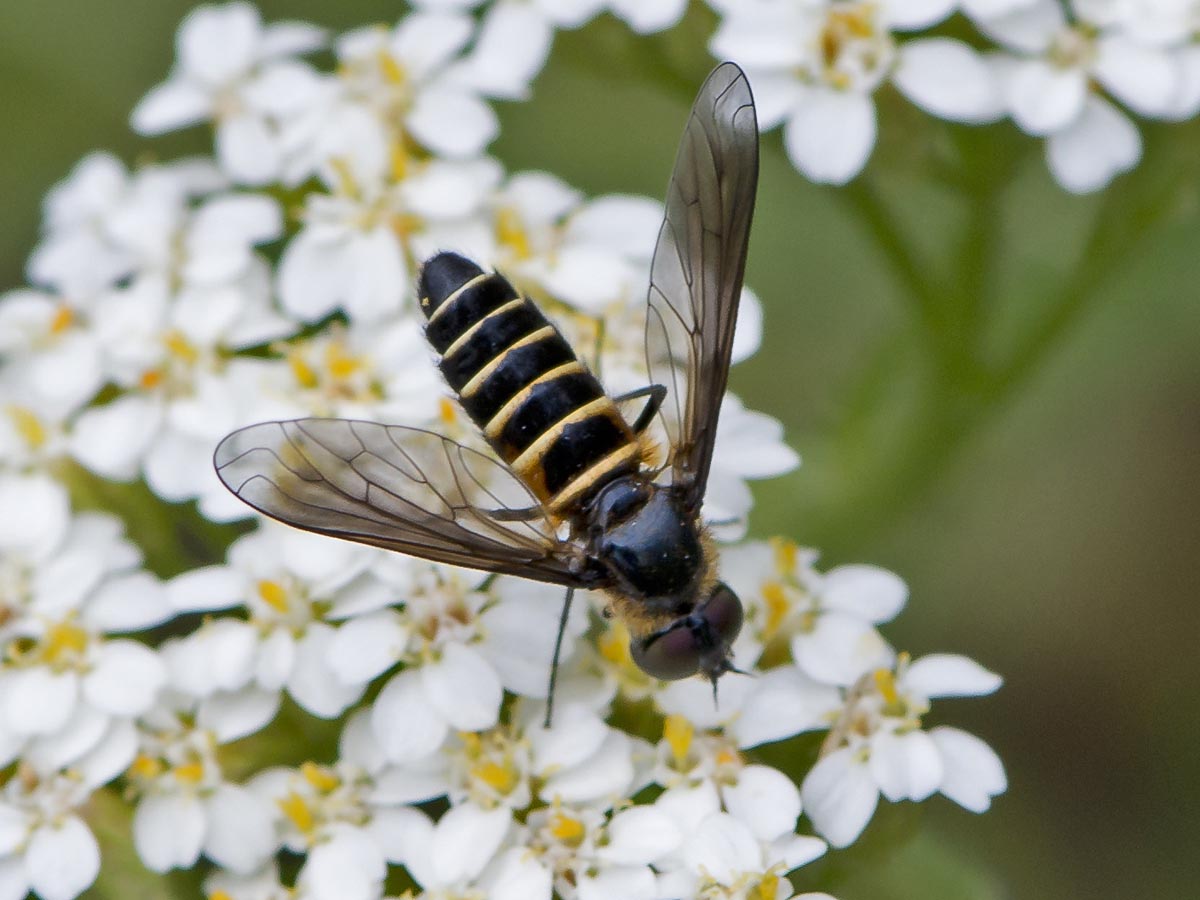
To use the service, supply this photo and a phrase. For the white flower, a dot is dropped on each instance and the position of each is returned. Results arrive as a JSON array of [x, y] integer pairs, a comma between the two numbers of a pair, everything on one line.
[[355, 248], [68, 583], [45, 846], [462, 645], [199, 292], [185, 806], [829, 618], [449, 855], [50, 350], [749, 446], [290, 583], [514, 41], [101, 222], [723, 858], [815, 66], [1052, 78], [878, 747], [238, 73]]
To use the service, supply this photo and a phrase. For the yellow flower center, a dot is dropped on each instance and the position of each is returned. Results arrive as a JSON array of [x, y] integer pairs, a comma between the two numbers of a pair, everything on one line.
[[510, 231], [189, 773], [320, 777], [567, 829], [294, 807], [678, 733], [28, 426], [64, 317], [274, 595]]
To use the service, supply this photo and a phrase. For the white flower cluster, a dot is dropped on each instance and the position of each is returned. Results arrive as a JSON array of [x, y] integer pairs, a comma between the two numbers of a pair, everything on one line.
[[1071, 73], [174, 303]]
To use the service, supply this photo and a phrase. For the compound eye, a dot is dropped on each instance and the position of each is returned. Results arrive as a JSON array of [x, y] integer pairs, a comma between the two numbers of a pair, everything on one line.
[[671, 656], [723, 612]]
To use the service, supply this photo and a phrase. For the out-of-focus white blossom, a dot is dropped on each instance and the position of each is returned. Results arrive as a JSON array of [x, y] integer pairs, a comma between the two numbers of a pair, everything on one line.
[[878, 747], [815, 66], [241, 75]]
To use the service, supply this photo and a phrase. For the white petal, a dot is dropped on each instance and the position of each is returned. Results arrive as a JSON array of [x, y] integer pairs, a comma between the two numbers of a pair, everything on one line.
[[111, 757], [347, 867], [766, 800], [948, 79], [168, 831], [619, 883], [247, 149], [391, 830], [950, 675], [839, 795], [170, 105], [723, 847], [290, 39], [1029, 27], [367, 646], [62, 860], [241, 829], [517, 875], [869, 592], [216, 43], [452, 122], [217, 656], [38, 701], [640, 834], [1045, 98], [839, 649], [914, 15], [518, 649], [784, 702], [207, 588], [109, 440], [14, 879], [905, 766], [237, 714], [463, 688], [607, 774], [312, 683], [128, 603], [830, 135], [648, 17], [425, 41], [1100, 145], [403, 721], [125, 679], [465, 840], [576, 733], [83, 732], [511, 49], [973, 771], [1144, 78]]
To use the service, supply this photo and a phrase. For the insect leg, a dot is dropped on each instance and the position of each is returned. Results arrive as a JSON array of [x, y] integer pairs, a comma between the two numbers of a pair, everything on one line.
[[657, 394], [524, 514], [562, 627]]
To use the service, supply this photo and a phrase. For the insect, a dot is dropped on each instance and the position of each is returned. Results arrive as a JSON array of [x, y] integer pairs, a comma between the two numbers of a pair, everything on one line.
[[576, 501]]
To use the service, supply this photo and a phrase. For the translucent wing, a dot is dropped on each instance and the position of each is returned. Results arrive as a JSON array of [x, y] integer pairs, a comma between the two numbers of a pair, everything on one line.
[[696, 275], [401, 489]]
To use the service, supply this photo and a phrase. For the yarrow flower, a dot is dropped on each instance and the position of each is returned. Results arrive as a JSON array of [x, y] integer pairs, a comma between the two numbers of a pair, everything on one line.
[[172, 303], [816, 65]]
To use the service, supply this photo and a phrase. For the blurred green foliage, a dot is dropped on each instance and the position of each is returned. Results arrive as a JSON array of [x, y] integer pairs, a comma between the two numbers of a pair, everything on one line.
[[995, 387]]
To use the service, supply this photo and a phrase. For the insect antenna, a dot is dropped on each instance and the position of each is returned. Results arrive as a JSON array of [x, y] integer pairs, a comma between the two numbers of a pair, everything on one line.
[[562, 626]]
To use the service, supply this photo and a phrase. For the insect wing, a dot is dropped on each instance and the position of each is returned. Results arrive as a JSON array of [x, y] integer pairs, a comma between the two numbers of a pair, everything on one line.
[[696, 275], [398, 488]]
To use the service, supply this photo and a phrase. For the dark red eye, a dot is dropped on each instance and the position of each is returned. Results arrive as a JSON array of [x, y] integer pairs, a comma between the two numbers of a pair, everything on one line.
[[724, 614], [693, 643], [670, 655]]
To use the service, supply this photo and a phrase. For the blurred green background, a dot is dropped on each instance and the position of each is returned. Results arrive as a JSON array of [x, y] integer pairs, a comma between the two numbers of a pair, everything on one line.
[[995, 387]]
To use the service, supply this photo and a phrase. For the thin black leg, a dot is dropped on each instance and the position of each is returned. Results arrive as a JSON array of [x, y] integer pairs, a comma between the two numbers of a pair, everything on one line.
[[657, 394], [562, 627]]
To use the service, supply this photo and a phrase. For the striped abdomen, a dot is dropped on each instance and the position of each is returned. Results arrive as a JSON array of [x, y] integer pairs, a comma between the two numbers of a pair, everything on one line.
[[522, 384]]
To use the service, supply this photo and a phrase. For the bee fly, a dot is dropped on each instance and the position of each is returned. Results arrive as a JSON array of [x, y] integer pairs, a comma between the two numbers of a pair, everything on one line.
[[577, 500]]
